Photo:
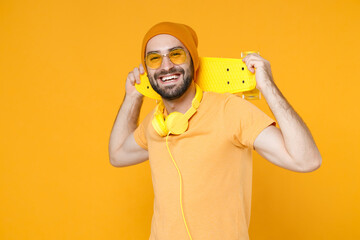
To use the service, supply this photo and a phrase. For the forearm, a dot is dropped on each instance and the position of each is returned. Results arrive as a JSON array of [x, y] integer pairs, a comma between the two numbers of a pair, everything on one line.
[[125, 123], [297, 137]]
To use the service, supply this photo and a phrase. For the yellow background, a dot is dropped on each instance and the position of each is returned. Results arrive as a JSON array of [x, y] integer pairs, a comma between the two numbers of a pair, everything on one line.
[[63, 66]]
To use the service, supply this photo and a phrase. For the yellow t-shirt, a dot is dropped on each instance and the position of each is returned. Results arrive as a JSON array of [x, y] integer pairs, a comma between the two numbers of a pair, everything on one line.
[[214, 157]]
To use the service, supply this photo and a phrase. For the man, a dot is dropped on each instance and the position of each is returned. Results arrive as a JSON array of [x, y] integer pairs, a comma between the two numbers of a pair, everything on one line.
[[213, 155]]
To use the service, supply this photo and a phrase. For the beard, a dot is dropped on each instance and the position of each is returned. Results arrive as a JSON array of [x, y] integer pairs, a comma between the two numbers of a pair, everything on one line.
[[174, 91]]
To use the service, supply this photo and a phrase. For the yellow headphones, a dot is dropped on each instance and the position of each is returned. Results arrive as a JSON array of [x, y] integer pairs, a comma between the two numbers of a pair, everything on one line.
[[176, 122]]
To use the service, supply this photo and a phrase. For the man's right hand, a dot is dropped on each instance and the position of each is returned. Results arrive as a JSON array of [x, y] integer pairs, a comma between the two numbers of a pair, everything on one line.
[[123, 149], [132, 78]]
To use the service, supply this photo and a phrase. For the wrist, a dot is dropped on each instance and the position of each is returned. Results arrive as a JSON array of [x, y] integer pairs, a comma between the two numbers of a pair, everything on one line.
[[265, 85], [134, 97]]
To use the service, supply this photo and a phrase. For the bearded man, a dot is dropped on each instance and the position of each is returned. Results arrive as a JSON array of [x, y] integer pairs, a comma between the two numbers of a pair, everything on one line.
[[210, 159]]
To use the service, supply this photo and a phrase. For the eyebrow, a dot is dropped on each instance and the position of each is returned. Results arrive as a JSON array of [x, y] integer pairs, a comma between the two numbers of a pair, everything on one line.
[[169, 50]]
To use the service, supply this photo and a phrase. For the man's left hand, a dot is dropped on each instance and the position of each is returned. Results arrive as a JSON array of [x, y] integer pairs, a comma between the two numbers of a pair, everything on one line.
[[263, 74]]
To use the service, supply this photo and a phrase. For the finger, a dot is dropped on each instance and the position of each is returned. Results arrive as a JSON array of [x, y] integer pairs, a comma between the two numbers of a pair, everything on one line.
[[142, 70], [137, 75], [252, 56], [250, 65], [247, 58], [131, 78], [247, 55], [251, 60]]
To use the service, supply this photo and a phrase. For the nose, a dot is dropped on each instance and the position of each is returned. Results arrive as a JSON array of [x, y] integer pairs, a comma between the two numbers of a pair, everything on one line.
[[166, 63]]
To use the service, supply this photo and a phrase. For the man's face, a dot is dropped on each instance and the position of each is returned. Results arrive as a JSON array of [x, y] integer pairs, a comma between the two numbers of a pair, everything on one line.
[[170, 80]]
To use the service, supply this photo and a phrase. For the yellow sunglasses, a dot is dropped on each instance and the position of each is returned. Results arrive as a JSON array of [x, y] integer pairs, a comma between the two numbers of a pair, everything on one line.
[[176, 56]]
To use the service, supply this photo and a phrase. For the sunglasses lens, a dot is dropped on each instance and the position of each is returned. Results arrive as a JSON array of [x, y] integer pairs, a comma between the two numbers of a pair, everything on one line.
[[154, 60], [177, 56]]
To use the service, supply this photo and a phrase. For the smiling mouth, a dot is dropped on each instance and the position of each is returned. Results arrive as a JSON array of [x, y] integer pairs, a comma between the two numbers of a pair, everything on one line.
[[169, 78]]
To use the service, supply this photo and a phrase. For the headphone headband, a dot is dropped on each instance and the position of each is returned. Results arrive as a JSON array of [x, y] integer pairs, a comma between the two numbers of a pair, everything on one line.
[[195, 102]]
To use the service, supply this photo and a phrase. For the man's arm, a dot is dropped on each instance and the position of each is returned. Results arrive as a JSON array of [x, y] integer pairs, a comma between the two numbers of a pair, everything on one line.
[[123, 150], [292, 146]]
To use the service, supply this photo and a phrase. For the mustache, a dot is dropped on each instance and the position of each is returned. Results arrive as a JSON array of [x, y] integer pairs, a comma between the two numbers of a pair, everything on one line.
[[171, 70]]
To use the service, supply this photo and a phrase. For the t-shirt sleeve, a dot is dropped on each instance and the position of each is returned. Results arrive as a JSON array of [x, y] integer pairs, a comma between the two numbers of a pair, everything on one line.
[[140, 135], [244, 121]]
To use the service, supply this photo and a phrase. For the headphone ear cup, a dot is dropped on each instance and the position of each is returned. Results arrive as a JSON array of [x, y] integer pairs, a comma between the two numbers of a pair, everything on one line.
[[177, 123], [159, 125]]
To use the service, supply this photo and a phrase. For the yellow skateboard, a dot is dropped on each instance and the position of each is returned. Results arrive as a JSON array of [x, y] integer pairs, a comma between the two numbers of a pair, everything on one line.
[[214, 75]]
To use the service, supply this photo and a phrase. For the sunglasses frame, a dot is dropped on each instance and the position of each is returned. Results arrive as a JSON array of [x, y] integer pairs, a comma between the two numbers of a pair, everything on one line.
[[166, 55]]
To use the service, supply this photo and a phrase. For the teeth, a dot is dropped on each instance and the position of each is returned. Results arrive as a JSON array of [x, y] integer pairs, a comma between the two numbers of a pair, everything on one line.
[[168, 78]]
